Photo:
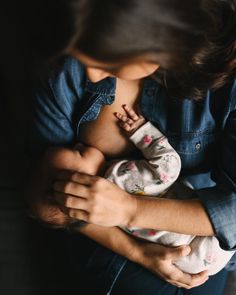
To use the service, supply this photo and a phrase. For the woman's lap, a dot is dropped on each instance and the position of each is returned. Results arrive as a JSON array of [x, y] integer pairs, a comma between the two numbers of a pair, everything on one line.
[[136, 280], [215, 285], [104, 272]]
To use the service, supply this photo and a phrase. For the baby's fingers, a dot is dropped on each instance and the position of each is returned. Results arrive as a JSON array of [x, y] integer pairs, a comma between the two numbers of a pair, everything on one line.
[[131, 113], [124, 118]]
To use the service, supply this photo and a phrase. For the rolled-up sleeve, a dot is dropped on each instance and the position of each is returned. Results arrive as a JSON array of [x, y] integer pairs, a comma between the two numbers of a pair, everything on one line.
[[220, 201], [221, 208], [54, 107]]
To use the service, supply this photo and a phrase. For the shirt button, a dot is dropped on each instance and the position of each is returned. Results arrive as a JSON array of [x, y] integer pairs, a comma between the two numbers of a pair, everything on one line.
[[198, 146]]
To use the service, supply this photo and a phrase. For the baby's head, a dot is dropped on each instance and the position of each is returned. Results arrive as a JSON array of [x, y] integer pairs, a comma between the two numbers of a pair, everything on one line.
[[91, 160]]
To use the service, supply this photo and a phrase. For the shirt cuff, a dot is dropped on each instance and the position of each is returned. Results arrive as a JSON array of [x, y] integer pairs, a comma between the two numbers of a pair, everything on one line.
[[220, 205], [145, 135]]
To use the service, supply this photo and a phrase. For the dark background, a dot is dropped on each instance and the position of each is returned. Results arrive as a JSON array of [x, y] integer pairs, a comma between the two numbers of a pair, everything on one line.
[[33, 258]]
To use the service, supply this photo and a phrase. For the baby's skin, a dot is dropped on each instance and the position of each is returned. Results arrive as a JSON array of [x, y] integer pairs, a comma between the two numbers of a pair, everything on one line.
[[88, 159]]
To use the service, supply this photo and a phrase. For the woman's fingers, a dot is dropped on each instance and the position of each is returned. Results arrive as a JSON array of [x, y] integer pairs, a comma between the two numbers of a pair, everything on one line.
[[73, 207], [104, 202], [77, 177], [177, 277], [69, 201], [78, 214], [194, 283], [164, 258], [187, 281], [177, 252], [71, 188]]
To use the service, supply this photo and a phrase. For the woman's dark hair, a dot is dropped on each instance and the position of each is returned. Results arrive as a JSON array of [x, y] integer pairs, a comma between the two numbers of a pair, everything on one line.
[[35, 33], [193, 41]]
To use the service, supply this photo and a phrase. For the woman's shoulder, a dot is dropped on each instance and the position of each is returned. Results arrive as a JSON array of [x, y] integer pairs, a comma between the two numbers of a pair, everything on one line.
[[62, 89], [69, 73]]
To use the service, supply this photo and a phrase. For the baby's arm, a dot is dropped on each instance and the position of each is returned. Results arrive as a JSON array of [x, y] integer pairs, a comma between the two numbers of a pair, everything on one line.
[[59, 158], [81, 158], [161, 165]]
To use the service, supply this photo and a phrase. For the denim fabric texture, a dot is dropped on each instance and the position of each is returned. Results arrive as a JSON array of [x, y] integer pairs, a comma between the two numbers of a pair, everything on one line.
[[202, 132]]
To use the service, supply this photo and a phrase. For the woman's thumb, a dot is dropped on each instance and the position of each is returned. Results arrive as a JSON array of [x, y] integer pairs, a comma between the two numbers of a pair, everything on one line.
[[180, 251]]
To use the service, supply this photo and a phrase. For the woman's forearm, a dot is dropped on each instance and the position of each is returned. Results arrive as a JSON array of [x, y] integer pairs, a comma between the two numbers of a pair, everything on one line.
[[114, 239], [156, 258], [99, 201], [182, 216]]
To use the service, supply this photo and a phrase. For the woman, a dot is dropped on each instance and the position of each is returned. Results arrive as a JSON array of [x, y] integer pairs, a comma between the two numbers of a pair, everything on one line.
[[176, 61]]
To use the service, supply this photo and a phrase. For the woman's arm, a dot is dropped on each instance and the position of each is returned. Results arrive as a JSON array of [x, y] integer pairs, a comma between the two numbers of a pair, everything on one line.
[[156, 258], [97, 200], [182, 216]]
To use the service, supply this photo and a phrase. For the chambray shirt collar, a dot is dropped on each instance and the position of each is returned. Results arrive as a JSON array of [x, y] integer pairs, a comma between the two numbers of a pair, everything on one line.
[[107, 87]]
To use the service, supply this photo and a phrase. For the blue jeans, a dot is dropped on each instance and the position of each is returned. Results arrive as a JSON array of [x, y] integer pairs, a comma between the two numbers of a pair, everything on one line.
[[103, 272], [138, 281]]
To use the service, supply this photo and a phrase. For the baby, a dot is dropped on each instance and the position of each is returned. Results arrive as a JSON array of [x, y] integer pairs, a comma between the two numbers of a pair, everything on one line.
[[151, 176]]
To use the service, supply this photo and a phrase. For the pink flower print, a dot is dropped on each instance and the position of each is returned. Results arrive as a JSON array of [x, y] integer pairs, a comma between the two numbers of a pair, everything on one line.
[[210, 258], [135, 233], [151, 233], [164, 178], [147, 139]]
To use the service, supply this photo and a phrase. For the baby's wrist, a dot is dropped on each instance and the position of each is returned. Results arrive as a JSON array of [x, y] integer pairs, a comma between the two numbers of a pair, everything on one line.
[[136, 128]]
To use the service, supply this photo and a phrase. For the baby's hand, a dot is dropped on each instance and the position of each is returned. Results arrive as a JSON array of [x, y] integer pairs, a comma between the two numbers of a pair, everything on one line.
[[131, 121]]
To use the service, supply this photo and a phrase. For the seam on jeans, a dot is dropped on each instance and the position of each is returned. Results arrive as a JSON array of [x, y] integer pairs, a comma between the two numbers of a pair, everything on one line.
[[116, 277]]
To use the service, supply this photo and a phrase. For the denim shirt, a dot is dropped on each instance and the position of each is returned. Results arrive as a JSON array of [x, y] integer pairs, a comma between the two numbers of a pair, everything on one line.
[[202, 132]]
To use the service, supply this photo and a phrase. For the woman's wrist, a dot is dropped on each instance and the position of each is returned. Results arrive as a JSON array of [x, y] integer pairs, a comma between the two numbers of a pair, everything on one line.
[[137, 254], [114, 239], [130, 209]]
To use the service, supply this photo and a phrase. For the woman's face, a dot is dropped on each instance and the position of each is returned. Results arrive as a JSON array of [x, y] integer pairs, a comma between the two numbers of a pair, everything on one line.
[[97, 71]]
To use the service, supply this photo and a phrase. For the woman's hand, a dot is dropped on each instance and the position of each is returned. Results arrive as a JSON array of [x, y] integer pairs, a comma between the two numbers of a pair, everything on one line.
[[93, 199], [39, 193], [159, 260]]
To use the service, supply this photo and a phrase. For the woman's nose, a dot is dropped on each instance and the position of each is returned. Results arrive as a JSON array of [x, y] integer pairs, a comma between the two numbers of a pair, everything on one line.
[[96, 75]]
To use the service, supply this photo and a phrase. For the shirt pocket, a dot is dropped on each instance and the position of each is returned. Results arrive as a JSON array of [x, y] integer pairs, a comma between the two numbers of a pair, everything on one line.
[[198, 151]]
